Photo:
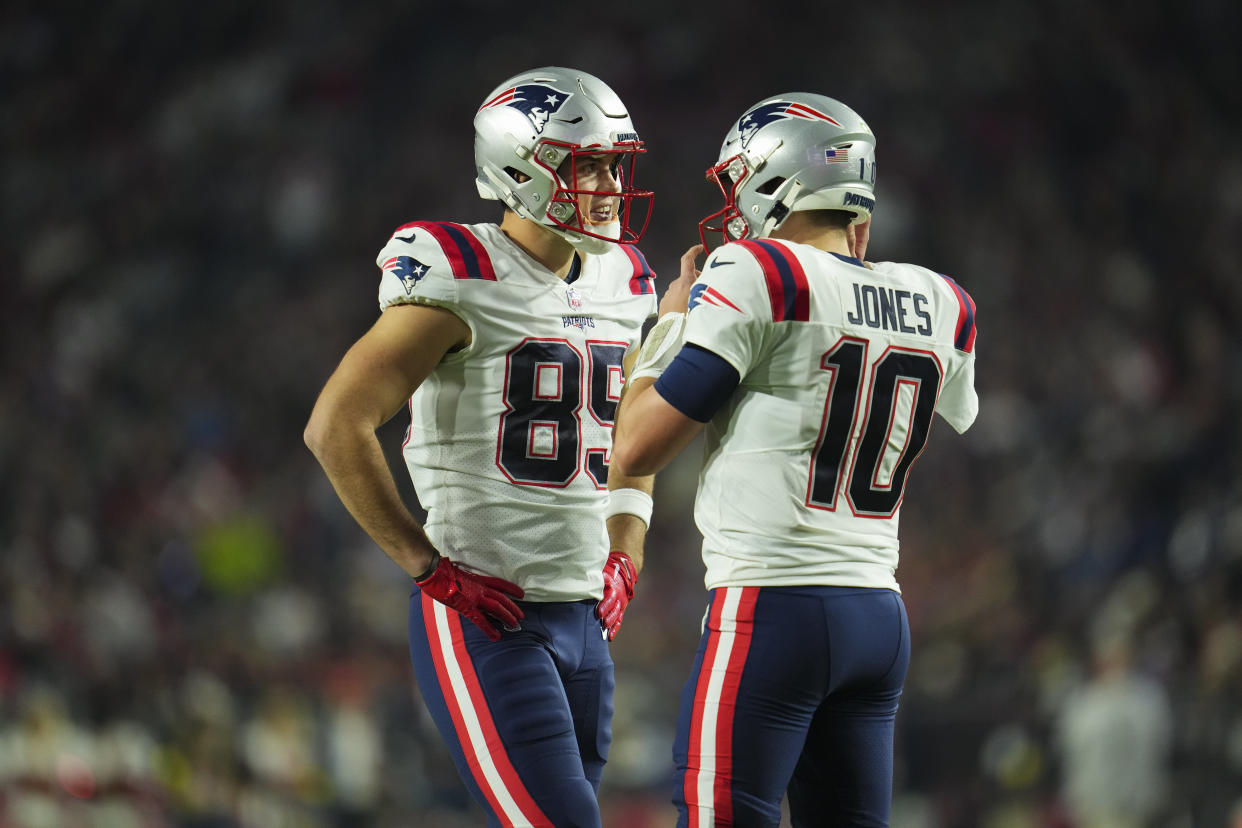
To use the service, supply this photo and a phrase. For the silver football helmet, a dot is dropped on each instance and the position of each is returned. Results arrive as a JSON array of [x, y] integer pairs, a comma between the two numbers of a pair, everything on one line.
[[528, 136], [791, 152]]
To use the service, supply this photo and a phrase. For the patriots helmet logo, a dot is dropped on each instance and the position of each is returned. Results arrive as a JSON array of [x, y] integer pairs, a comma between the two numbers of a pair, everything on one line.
[[767, 113], [408, 269], [537, 101]]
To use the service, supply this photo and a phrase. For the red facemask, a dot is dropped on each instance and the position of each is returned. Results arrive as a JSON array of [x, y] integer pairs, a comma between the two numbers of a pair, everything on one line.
[[633, 209], [729, 224]]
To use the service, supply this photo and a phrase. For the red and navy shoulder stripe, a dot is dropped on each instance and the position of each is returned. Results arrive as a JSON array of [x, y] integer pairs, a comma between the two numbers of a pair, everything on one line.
[[788, 290], [466, 255], [642, 282], [964, 334]]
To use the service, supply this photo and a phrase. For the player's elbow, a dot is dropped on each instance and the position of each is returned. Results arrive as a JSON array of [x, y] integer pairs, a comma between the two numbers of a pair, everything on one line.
[[313, 436], [633, 459], [318, 432]]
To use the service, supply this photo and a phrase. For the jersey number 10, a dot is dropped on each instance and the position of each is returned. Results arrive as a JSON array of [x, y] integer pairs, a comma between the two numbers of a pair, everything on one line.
[[900, 399]]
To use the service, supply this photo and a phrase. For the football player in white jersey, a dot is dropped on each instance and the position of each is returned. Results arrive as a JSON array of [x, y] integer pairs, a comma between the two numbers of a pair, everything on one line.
[[815, 377], [509, 343]]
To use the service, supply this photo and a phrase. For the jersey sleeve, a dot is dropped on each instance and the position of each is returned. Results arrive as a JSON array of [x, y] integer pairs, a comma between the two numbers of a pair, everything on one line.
[[729, 312], [697, 383], [959, 402], [416, 268]]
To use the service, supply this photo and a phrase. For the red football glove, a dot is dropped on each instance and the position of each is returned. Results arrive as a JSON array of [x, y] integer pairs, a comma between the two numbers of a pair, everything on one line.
[[619, 578], [481, 598]]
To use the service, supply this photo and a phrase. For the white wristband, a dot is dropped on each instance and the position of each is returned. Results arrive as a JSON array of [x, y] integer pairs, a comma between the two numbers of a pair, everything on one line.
[[661, 345], [634, 502]]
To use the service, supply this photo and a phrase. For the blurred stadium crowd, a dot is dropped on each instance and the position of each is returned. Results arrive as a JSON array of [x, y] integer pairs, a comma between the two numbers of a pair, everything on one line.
[[192, 630]]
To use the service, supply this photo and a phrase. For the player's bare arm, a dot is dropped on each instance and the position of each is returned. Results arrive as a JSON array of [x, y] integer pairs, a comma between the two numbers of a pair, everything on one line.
[[373, 381], [628, 516], [643, 446], [627, 532], [649, 432]]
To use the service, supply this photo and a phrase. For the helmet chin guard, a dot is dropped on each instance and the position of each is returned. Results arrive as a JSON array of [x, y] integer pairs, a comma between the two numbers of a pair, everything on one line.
[[529, 135]]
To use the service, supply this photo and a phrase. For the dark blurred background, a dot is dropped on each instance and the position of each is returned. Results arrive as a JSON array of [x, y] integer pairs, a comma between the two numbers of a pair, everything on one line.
[[193, 631]]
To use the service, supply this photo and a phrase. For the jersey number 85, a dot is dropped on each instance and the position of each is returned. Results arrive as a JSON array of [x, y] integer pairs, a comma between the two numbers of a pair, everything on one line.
[[540, 440]]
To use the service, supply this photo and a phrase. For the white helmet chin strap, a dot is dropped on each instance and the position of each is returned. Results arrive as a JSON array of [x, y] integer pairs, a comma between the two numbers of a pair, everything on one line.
[[588, 244]]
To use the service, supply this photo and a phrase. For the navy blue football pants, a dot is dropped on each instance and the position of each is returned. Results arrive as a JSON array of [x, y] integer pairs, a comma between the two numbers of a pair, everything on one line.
[[528, 719], [794, 689]]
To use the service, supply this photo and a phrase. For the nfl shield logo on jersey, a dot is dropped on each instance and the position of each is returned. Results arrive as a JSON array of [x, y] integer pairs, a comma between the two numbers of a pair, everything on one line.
[[575, 298], [408, 269], [537, 101]]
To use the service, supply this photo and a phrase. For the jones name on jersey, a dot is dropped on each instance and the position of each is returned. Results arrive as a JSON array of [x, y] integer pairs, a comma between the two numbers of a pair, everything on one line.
[[841, 368]]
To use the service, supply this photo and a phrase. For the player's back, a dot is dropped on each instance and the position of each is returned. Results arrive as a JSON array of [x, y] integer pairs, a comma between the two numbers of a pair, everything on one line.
[[842, 368]]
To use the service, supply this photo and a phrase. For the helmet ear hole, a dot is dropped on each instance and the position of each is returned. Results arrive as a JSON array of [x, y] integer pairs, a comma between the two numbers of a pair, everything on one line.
[[517, 175], [768, 187]]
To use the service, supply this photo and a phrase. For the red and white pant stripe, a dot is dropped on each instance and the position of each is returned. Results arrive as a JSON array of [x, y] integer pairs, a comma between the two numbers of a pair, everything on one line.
[[708, 785], [480, 741]]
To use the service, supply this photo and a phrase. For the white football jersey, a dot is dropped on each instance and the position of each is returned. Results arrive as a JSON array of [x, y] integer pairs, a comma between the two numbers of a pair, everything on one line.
[[509, 438], [841, 370]]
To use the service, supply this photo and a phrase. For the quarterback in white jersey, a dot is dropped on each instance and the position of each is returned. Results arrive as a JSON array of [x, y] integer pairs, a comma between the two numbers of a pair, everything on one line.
[[509, 344], [815, 378], [509, 437], [842, 368]]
